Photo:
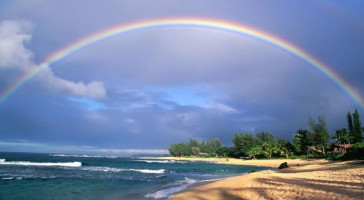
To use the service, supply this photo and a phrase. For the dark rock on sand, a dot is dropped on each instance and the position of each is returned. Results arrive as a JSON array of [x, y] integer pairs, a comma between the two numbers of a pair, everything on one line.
[[283, 165]]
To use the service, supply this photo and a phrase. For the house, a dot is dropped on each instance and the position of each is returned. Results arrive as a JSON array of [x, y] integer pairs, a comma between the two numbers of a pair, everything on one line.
[[203, 154], [340, 148]]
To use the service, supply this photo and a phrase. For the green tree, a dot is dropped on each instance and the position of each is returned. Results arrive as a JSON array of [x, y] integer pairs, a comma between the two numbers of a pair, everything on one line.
[[285, 148], [357, 129], [224, 151], [210, 147], [217, 144], [342, 137], [242, 143], [203, 147], [180, 149], [195, 151], [265, 137], [191, 144], [319, 132], [255, 151], [269, 148], [267, 142], [350, 123], [302, 140], [173, 150]]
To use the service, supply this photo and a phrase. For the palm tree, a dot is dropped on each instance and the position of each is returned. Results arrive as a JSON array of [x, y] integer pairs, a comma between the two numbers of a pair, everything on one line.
[[302, 140], [342, 137], [284, 147], [255, 151], [268, 149]]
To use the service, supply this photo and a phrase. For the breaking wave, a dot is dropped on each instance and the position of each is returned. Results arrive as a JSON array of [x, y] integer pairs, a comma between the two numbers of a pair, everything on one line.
[[45, 164], [178, 186], [162, 161], [149, 171], [115, 170], [82, 156], [20, 177]]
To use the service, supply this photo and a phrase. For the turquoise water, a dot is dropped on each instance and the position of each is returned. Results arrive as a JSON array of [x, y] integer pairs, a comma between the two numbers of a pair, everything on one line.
[[59, 176]]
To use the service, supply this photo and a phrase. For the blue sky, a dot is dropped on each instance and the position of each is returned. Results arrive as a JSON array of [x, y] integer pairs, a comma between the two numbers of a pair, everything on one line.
[[142, 91]]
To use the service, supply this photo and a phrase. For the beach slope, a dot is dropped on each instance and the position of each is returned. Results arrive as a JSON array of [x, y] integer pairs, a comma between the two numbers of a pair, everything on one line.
[[302, 180]]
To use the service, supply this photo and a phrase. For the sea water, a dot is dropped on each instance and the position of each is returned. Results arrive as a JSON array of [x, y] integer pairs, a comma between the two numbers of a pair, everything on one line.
[[61, 176]]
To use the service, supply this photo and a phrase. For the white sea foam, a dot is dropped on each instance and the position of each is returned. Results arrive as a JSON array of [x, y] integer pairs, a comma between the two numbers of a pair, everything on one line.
[[103, 169], [112, 169], [149, 171], [82, 156], [162, 161], [28, 176], [214, 162], [166, 192], [179, 186], [45, 164]]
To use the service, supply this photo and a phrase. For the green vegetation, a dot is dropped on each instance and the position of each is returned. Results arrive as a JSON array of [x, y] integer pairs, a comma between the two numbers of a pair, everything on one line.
[[357, 152], [357, 129], [320, 135], [342, 137], [312, 143], [302, 140], [350, 123], [194, 148]]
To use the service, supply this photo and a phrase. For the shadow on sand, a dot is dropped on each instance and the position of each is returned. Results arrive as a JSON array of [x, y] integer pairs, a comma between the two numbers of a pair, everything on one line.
[[275, 187]]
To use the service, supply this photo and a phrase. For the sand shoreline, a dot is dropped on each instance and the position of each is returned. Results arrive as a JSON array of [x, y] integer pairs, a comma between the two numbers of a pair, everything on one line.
[[274, 163], [304, 179]]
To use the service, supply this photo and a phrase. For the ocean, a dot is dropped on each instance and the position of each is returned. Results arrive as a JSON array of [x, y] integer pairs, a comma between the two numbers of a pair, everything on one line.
[[60, 176]]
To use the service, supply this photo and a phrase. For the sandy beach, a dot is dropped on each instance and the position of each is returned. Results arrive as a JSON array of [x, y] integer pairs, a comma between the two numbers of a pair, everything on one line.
[[265, 163], [304, 179]]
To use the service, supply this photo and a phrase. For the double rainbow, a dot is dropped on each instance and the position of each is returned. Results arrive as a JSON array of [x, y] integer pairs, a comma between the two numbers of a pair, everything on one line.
[[186, 22]]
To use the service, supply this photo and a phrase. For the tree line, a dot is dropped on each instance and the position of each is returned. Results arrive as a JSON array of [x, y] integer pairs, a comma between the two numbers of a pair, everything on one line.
[[314, 140], [193, 147]]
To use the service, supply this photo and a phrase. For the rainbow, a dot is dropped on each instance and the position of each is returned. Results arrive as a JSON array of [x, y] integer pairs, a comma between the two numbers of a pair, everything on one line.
[[186, 22]]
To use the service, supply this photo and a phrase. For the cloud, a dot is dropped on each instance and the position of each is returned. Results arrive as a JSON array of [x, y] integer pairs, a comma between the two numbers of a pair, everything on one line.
[[221, 107], [15, 55], [24, 145], [94, 89], [205, 83], [88, 104]]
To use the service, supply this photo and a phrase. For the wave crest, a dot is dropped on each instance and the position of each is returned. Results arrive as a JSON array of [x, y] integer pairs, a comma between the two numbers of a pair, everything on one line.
[[81, 156], [115, 170], [179, 186], [162, 161], [45, 164], [149, 171]]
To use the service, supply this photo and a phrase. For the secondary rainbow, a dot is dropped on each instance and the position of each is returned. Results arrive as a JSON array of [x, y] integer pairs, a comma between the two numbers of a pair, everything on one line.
[[186, 22]]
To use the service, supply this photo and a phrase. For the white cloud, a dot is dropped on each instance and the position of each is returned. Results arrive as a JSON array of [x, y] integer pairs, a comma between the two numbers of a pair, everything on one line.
[[94, 89], [222, 107], [13, 54]]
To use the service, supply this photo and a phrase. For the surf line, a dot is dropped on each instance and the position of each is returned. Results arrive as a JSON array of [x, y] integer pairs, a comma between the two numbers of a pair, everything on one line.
[[192, 23]]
